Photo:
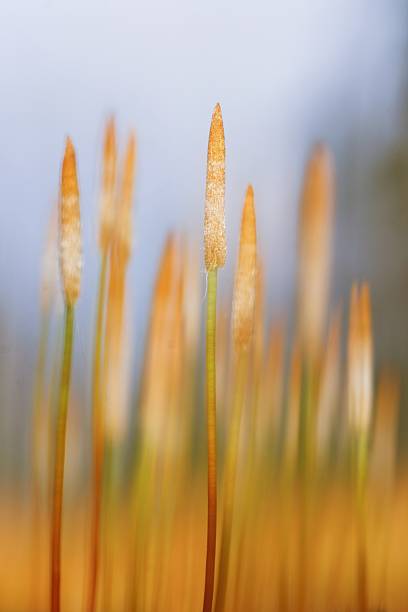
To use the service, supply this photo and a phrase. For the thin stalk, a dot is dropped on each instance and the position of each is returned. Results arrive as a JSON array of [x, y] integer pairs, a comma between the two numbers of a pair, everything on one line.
[[361, 476], [53, 403], [211, 440], [287, 479], [109, 522], [141, 503], [98, 440], [229, 481], [36, 443], [39, 379], [306, 449], [58, 485], [285, 503], [248, 500]]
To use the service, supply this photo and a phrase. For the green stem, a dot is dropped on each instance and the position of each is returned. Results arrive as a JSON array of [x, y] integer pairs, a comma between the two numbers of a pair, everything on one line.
[[229, 482], [58, 485], [98, 440], [211, 441]]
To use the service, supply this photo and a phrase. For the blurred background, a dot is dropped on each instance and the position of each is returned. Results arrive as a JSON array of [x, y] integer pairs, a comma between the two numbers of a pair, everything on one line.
[[286, 74]]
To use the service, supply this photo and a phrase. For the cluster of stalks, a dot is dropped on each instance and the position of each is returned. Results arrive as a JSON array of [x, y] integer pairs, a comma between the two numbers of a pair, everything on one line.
[[294, 441]]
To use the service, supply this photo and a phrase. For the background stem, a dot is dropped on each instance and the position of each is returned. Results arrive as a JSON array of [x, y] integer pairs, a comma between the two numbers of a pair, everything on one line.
[[231, 461], [37, 488], [98, 441], [361, 474]]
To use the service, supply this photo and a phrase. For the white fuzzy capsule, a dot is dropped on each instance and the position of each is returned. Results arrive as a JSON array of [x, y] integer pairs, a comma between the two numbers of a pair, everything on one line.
[[215, 247]]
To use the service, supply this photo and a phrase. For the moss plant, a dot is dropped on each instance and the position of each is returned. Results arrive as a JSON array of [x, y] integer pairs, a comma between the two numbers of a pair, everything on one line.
[[215, 250], [71, 264]]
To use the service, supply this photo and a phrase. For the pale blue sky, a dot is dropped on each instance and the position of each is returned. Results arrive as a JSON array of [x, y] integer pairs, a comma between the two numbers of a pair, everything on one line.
[[285, 73]]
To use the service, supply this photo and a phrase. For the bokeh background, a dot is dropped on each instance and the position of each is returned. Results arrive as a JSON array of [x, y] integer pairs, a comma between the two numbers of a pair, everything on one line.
[[286, 73]]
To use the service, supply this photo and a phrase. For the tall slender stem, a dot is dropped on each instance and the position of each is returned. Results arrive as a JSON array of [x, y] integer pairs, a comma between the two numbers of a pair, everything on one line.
[[108, 522], [306, 450], [39, 381], [229, 482], [361, 474], [37, 491], [58, 484], [211, 441], [98, 440]]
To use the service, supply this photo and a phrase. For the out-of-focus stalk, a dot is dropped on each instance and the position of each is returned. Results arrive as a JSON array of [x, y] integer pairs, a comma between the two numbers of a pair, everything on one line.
[[288, 473], [315, 229], [248, 498], [115, 367], [384, 446], [383, 463], [105, 239], [214, 256], [115, 382], [242, 331], [270, 420], [257, 354], [157, 425], [360, 397], [71, 263], [41, 416], [328, 395], [314, 256], [293, 412]]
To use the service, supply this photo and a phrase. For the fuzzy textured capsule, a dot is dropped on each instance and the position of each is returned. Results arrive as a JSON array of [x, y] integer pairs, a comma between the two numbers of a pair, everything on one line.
[[315, 234], [215, 248], [70, 227], [245, 280], [107, 218]]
